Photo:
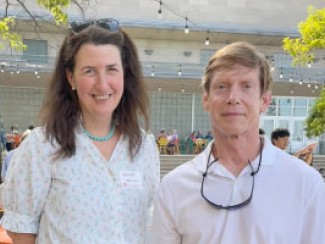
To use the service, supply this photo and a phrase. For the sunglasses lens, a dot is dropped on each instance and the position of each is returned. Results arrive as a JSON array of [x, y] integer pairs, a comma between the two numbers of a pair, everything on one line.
[[78, 26], [109, 24]]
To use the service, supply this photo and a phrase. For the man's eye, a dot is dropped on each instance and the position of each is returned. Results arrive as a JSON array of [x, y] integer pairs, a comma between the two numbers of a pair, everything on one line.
[[247, 86], [221, 86]]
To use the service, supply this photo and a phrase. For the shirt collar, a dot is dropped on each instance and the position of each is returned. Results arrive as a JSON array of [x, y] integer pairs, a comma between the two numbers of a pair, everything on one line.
[[268, 157]]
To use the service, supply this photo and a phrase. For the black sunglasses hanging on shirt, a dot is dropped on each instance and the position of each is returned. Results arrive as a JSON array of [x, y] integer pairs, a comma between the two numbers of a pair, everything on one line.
[[239, 205]]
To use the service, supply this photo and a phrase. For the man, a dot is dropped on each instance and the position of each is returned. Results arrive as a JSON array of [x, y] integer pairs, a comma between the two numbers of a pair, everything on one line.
[[240, 189], [280, 138]]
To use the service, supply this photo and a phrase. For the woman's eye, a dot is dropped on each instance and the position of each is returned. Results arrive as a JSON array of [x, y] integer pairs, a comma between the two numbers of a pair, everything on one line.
[[112, 69], [88, 71]]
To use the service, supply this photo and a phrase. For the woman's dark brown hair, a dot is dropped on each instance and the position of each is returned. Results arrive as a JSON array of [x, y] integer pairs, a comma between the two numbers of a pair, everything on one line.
[[61, 113]]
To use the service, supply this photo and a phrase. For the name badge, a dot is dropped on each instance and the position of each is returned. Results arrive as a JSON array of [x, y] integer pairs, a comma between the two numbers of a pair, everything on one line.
[[131, 179]]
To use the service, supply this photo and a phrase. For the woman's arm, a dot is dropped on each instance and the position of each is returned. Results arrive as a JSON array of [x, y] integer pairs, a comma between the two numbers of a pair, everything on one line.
[[22, 238]]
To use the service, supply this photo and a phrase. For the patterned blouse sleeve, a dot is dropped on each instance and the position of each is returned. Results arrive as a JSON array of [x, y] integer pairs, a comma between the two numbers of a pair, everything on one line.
[[152, 173], [154, 167], [27, 184]]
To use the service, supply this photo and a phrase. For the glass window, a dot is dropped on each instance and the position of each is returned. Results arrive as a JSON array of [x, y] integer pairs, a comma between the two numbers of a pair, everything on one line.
[[300, 102], [206, 55], [36, 51], [283, 123], [285, 105], [282, 60], [272, 108], [268, 126], [300, 111], [298, 130]]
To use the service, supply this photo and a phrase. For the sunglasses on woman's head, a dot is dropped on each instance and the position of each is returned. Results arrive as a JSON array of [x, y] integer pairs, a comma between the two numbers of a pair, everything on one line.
[[109, 24]]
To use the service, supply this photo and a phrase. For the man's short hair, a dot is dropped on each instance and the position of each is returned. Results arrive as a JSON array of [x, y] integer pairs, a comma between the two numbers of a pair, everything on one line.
[[238, 53], [279, 133]]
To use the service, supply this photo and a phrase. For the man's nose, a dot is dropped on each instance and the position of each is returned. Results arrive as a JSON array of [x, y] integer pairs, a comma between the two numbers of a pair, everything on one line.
[[233, 95]]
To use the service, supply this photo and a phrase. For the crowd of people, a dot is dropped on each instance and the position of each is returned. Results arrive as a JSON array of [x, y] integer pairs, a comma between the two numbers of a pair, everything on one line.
[[170, 143], [90, 172]]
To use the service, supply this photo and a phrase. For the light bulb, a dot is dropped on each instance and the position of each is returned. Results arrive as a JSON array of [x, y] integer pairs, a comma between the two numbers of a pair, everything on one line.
[[207, 41]]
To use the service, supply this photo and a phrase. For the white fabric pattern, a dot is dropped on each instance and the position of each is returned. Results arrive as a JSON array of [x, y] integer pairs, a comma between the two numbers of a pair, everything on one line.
[[82, 199]]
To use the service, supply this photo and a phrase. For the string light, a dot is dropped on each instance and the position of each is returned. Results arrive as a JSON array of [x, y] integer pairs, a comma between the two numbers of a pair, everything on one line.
[[159, 11], [183, 90], [179, 69], [309, 64], [272, 66], [291, 79], [186, 29], [300, 82], [281, 73], [207, 40]]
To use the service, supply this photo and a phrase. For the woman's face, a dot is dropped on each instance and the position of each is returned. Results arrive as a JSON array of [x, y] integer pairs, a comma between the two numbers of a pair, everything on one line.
[[98, 79]]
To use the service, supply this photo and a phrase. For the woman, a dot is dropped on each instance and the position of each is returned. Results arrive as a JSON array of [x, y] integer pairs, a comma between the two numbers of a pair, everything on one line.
[[90, 173]]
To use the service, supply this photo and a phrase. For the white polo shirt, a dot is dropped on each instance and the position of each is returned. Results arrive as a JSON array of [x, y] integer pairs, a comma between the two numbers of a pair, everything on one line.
[[287, 207]]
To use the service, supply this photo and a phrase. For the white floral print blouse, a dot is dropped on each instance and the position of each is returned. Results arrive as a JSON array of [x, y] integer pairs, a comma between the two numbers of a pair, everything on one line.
[[84, 198]]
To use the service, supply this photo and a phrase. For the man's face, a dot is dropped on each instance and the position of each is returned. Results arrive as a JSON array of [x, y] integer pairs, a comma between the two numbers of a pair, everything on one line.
[[234, 101], [281, 142]]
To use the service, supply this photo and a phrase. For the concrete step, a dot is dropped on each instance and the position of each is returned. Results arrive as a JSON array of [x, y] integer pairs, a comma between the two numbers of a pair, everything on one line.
[[170, 162]]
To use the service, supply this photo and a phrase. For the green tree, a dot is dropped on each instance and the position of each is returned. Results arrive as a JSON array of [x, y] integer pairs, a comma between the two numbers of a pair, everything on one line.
[[316, 119], [312, 37], [55, 7]]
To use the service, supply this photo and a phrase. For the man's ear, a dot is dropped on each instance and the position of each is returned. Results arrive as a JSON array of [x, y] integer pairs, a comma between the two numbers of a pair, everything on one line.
[[266, 101], [205, 101]]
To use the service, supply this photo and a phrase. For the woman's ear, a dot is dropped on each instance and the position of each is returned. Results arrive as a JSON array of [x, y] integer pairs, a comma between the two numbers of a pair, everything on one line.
[[69, 75]]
